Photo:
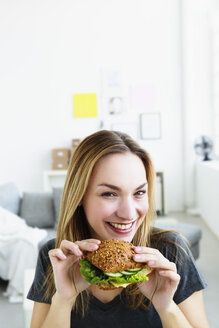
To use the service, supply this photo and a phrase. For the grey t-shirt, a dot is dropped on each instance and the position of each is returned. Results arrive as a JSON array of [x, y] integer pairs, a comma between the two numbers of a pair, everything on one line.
[[115, 313]]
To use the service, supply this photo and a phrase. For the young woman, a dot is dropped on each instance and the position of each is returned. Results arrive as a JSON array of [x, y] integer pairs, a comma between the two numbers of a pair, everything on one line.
[[108, 194]]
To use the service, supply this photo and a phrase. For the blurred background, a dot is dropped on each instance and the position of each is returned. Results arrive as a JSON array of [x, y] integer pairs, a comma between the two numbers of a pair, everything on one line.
[[149, 68], [157, 56]]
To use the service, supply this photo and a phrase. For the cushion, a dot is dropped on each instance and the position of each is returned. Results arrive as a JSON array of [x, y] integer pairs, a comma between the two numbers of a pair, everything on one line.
[[37, 209], [192, 233], [10, 197], [57, 196]]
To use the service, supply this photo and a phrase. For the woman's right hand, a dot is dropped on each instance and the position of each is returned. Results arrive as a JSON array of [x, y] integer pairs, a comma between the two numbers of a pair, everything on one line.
[[65, 264]]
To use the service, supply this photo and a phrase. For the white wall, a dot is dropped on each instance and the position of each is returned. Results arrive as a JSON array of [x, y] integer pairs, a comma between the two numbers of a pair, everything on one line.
[[197, 106], [51, 49], [207, 193]]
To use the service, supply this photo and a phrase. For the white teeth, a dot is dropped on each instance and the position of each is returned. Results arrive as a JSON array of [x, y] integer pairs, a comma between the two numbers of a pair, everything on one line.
[[121, 226]]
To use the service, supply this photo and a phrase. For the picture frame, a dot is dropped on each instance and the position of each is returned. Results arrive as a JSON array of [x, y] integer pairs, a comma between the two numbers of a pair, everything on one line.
[[160, 194], [150, 126], [115, 105]]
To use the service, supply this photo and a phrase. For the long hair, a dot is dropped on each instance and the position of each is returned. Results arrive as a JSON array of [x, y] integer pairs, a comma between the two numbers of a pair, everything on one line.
[[73, 225]]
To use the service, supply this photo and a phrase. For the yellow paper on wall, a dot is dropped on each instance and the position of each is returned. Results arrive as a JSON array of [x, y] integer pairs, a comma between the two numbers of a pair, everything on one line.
[[85, 105]]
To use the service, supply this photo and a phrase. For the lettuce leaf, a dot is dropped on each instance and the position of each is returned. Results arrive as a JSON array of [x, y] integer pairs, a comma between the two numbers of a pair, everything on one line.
[[96, 276], [125, 279], [92, 274]]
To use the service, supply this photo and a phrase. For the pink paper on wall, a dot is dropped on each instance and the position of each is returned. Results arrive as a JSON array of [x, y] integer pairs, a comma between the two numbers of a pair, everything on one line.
[[142, 97]]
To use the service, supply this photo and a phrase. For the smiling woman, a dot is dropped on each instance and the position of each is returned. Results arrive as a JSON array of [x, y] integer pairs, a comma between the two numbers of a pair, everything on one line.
[[116, 202], [109, 195]]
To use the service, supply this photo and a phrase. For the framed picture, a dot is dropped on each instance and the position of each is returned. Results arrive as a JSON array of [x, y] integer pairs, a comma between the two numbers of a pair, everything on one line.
[[115, 105], [150, 126], [159, 194]]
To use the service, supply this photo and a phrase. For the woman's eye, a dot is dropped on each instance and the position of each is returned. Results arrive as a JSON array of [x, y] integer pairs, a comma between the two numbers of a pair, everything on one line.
[[141, 192], [108, 194]]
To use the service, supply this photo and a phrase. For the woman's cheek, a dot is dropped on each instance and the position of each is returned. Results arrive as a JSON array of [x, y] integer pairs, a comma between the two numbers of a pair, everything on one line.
[[144, 206], [107, 207]]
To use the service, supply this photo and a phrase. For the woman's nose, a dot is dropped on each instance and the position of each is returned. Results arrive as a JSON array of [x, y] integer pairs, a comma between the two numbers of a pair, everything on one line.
[[127, 209]]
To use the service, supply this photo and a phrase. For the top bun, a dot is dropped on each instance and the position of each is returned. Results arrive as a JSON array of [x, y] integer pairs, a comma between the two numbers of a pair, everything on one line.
[[113, 255]]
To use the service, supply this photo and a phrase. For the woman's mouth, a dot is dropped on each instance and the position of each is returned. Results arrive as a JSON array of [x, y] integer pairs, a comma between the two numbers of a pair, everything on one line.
[[121, 227]]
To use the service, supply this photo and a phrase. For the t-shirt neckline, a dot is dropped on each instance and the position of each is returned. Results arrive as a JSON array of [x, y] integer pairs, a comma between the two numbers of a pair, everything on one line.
[[105, 306]]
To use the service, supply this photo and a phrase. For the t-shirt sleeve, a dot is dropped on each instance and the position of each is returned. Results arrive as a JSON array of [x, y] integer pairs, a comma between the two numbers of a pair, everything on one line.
[[191, 279], [37, 290]]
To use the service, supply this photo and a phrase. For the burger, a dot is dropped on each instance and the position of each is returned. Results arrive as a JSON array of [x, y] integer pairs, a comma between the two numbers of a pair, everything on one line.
[[112, 265]]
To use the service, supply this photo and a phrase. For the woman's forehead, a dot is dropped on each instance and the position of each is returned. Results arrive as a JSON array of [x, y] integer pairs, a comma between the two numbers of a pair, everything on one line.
[[115, 167]]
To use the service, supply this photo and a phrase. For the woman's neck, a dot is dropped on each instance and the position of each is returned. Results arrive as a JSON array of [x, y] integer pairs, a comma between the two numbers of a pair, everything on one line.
[[105, 296]]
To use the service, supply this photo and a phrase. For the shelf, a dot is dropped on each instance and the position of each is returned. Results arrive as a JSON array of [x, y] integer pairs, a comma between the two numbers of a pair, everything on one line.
[[53, 178]]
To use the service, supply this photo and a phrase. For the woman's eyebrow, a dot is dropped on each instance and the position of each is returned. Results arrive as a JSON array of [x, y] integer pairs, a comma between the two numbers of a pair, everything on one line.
[[117, 188], [109, 186], [142, 186]]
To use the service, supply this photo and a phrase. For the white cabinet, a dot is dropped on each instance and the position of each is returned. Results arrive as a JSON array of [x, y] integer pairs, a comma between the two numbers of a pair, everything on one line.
[[208, 193], [54, 178]]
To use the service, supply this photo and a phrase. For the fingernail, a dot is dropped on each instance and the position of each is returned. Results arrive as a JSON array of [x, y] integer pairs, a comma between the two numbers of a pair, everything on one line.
[[79, 252], [151, 263], [62, 256], [137, 249], [162, 272], [137, 256]]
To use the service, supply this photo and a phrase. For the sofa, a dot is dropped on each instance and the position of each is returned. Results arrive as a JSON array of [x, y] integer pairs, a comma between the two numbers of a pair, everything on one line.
[[38, 209], [41, 209]]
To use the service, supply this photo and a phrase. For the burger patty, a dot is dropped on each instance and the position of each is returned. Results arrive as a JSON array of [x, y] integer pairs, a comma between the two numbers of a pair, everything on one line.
[[113, 255]]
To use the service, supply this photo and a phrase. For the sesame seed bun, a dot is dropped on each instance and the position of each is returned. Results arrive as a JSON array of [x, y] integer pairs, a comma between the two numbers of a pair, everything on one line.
[[113, 255]]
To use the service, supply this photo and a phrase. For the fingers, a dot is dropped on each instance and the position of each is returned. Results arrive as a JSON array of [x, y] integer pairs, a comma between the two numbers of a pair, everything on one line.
[[67, 247], [57, 253], [153, 258], [88, 244], [173, 276], [78, 247]]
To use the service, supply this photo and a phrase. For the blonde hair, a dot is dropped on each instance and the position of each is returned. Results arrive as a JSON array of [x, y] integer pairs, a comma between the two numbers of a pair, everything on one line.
[[72, 224]]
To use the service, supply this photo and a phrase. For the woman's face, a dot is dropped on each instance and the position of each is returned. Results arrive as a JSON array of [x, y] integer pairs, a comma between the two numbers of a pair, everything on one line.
[[116, 199]]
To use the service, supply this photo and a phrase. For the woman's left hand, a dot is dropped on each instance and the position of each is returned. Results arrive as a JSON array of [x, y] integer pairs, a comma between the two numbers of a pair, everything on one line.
[[163, 280]]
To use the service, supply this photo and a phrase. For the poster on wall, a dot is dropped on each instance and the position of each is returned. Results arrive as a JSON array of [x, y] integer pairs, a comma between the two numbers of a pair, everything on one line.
[[150, 126], [142, 97], [85, 105], [111, 79], [115, 105], [113, 90]]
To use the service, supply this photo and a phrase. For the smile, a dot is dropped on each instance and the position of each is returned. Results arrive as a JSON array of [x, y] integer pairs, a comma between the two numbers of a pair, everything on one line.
[[121, 226]]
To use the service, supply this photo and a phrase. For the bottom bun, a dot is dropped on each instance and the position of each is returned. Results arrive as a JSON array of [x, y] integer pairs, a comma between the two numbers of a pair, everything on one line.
[[106, 286], [109, 286]]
